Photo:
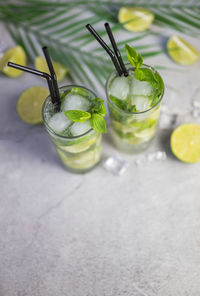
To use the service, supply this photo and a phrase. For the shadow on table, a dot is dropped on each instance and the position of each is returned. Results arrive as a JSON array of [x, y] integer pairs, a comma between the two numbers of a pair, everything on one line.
[[164, 142]]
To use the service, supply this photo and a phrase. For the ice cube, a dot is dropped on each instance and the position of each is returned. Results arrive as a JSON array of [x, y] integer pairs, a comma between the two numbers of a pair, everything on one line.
[[142, 103], [115, 165], [142, 88], [196, 113], [168, 120], [119, 88], [79, 128], [161, 155], [59, 122], [196, 103], [75, 102]]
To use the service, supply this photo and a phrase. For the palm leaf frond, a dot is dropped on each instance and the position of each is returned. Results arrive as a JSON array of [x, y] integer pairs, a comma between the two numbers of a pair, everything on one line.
[[60, 25], [63, 31]]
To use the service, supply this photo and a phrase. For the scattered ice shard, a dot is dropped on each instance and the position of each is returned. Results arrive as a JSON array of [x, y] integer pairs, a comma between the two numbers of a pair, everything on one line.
[[196, 103], [150, 157], [115, 165], [80, 128], [160, 155], [168, 120], [75, 102], [196, 113], [119, 88], [140, 160]]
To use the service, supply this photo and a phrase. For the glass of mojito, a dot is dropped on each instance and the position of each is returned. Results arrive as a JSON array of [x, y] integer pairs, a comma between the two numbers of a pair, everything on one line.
[[134, 104], [76, 129]]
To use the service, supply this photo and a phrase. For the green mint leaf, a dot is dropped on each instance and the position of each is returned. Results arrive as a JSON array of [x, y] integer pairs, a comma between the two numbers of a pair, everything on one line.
[[145, 74], [98, 106], [79, 91], [98, 123], [158, 92], [119, 103], [159, 81], [133, 109], [132, 55], [139, 61], [77, 115], [102, 110]]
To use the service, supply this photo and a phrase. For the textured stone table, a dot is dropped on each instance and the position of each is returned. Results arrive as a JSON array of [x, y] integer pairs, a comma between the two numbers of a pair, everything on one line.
[[96, 234]]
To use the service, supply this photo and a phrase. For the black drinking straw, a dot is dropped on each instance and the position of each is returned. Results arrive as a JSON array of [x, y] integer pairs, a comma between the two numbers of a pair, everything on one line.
[[38, 73], [115, 48], [53, 75], [106, 47]]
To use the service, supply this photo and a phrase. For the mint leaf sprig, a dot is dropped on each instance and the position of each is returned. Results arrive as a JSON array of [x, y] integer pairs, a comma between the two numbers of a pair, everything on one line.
[[77, 115], [145, 74], [124, 105], [96, 115]]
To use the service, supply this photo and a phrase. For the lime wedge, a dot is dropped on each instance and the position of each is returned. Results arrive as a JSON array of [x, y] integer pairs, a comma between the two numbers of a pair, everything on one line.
[[15, 55], [41, 65], [185, 142], [136, 19], [181, 51], [80, 147], [29, 105]]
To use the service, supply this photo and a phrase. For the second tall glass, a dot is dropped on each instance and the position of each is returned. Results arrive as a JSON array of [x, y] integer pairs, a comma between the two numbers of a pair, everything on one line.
[[132, 132]]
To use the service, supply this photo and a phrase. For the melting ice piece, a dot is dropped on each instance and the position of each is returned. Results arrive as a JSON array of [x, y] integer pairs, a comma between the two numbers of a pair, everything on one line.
[[142, 103], [140, 160], [168, 120], [142, 88], [75, 102], [115, 165], [119, 87], [160, 155], [196, 113], [196, 103], [59, 122], [79, 128]]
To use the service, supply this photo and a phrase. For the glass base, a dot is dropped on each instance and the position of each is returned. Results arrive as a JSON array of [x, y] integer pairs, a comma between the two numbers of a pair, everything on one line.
[[131, 145], [80, 162]]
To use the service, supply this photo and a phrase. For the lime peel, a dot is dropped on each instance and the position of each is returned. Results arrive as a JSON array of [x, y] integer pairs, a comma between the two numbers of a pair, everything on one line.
[[41, 65], [136, 19], [29, 105], [181, 51], [185, 142], [15, 55]]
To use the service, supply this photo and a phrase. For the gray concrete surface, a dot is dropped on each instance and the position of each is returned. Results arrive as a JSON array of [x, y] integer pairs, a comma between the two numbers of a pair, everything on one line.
[[96, 234]]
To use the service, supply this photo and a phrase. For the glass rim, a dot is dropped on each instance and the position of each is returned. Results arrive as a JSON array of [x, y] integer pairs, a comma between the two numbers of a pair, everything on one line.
[[45, 122], [128, 112]]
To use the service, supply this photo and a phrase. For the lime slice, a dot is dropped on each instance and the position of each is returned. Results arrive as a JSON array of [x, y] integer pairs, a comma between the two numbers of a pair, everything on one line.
[[181, 51], [80, 147], [185, 142], [146, 134], [29, 105], [41, 65], [14, 55], [136, 19]]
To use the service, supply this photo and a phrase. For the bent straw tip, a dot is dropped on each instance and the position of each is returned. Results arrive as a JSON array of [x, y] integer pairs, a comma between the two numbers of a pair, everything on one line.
[[88, 26]]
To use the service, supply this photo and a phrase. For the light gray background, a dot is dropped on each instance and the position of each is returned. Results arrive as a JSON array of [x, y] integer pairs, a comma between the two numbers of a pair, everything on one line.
[[96, 234]]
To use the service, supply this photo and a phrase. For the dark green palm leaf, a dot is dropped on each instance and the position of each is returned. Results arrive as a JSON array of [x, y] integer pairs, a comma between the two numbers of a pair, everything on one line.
[[60, 25]]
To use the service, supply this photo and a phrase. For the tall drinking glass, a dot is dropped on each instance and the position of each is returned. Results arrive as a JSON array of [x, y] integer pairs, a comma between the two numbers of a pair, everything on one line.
[[78, 153], [132, 132]]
